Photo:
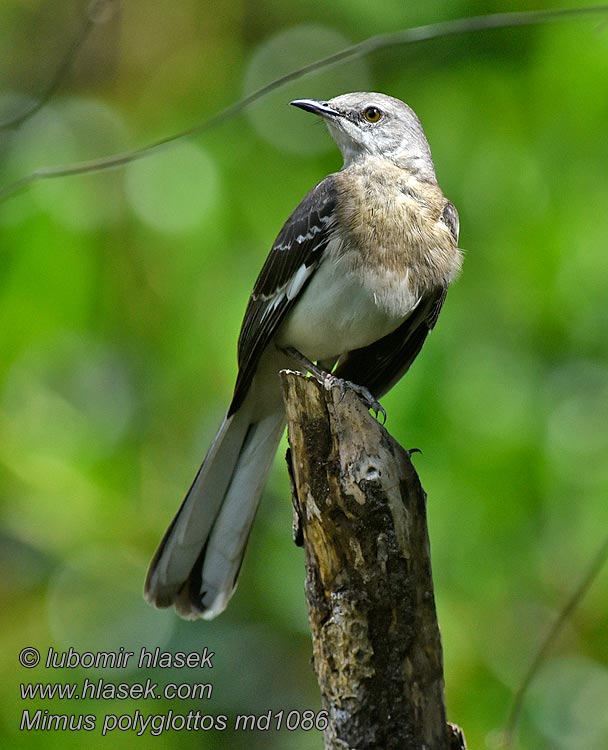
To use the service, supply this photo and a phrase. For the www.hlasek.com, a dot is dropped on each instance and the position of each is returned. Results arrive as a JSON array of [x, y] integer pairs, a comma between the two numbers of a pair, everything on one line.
[[100, 689]]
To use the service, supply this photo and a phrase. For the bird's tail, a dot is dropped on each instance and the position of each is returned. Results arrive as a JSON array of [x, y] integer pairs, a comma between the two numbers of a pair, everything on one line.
[[199, 558]]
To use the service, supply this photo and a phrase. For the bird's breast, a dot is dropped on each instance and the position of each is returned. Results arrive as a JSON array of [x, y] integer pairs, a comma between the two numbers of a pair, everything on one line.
[[395, 222], [390, 248], [345, 306]]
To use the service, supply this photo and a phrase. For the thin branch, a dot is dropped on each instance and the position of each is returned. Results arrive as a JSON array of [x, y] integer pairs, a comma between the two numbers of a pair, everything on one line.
[[366, 47], [95, 15], [575, 598]]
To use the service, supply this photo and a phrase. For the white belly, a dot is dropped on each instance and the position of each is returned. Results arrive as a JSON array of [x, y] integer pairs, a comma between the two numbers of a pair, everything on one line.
[[341, 310]]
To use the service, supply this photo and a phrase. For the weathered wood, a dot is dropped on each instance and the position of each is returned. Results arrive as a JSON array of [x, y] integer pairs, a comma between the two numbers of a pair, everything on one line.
[[362, 513]]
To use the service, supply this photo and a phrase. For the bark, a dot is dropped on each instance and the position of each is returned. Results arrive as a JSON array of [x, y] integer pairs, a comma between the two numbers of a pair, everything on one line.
[[361, 515]]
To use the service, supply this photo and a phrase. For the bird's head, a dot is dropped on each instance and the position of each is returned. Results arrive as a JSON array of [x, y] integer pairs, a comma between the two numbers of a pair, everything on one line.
[[364, 124]]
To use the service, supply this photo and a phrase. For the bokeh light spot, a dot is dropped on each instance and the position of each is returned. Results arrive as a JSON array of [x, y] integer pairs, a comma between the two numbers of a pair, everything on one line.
[[272, 119], [64, 132], [570, 699], [174, 190]]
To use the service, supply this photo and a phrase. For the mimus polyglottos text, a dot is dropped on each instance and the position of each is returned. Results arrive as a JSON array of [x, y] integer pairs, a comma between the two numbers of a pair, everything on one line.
[[354, 281]]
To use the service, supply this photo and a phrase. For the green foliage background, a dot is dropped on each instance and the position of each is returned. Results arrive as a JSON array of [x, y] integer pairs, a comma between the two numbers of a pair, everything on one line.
[[121, 295]]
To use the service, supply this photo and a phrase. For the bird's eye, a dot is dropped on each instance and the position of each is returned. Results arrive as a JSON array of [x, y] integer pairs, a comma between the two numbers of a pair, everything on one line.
[[372, 114]]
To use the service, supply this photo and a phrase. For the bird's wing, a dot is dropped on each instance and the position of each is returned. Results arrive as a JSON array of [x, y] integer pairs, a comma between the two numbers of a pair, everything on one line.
[[381, 364], [295, 255]]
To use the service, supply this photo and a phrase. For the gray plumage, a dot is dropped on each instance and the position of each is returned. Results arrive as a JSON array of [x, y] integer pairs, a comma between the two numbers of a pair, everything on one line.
[[355, 279]]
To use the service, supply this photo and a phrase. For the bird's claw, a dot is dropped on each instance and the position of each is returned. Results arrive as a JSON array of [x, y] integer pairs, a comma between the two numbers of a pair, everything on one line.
[[369, 400], [364, 394], [332, 381]]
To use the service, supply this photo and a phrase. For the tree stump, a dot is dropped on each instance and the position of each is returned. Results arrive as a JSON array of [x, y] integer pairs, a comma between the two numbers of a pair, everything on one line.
[[361, 516]]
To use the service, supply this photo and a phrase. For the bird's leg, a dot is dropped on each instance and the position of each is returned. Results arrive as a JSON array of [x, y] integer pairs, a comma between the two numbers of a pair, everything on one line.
[[310, 367], [333, 382]]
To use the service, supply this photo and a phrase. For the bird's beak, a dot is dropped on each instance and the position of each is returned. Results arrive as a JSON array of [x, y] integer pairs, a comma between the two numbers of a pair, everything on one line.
[[316, 107]]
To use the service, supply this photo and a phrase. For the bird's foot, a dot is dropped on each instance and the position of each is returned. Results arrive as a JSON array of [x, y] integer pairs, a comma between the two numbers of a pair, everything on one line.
[[331, 381], [364, 394]]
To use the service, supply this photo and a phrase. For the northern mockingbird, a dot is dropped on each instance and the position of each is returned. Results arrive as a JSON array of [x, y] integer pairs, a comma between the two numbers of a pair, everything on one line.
[[354, 281]]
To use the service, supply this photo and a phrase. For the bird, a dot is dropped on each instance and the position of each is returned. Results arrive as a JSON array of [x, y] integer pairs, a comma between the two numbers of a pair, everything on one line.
[[354, 282]]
